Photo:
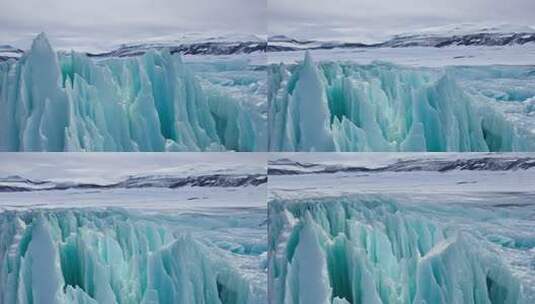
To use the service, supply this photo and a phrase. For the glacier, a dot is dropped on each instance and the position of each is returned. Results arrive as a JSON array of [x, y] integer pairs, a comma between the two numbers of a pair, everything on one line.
[[340, 105], [377, 249], [89, 255], [153, 102], [133, 228], [401, 228]]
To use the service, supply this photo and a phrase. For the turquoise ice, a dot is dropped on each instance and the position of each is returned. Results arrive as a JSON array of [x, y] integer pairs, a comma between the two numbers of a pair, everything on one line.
[[154, 102], [111, 256], [345, 106], [375, 249]]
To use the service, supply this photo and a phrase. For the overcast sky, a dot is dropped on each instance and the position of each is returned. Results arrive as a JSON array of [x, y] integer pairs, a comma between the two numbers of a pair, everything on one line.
[[376, 18], [66, 22], [99, 24], [94, 167]]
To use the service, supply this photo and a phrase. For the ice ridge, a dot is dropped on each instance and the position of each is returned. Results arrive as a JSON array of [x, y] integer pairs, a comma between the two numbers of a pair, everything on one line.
[[95, 257], [374, 250], [385, 107], [69, 102]]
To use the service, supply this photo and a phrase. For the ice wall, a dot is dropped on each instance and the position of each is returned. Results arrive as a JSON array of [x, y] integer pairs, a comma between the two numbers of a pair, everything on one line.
[[69, 102], [91, 256], [384, 107], [373, 250]]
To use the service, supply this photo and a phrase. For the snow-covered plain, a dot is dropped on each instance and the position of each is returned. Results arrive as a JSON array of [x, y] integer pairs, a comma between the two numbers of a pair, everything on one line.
[[152, 100], [419, 56], [453, 44], [137, 228], [402, 228]]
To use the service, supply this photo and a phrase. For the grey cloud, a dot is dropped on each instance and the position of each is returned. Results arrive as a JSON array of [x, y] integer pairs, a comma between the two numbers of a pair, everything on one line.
[[124, 20], [389, 16]]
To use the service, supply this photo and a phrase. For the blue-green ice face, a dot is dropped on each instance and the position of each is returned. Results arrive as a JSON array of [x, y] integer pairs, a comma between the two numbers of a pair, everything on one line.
[[343, 106], [133, 228], [115, 256], [154, 102], [374, 249]]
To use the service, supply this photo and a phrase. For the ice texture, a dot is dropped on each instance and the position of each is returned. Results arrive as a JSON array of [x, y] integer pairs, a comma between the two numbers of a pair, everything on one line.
[[375, 249], [154, 102], [113, 256], [387, 107]]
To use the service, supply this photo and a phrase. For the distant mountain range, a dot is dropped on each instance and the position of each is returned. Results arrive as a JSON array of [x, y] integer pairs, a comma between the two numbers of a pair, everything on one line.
[[460, 35], [290, 167], [451, 35], [280, 43], [20, 184], [230, 45], [195, 48], [7, 51]]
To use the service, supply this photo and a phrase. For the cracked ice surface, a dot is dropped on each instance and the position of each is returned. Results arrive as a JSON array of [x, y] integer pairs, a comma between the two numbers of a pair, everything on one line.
[[345, 106], [154, 102]]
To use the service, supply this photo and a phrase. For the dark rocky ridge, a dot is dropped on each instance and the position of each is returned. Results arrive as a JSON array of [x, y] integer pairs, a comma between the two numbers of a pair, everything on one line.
[[475, 39], [201, 48], [410, 165], [171, 182]]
